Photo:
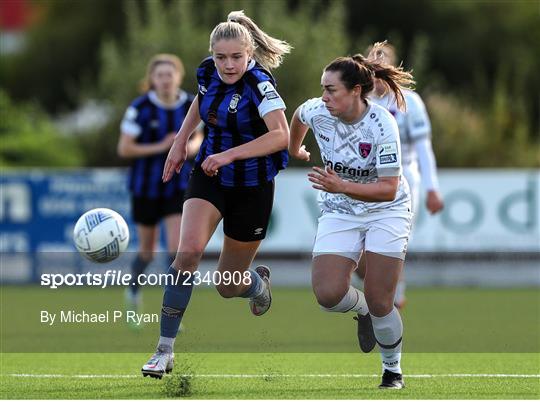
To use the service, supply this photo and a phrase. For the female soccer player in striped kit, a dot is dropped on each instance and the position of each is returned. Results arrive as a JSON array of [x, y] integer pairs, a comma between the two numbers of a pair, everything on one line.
[[147, 133], [365, 202], [418, 160], [245, 145]]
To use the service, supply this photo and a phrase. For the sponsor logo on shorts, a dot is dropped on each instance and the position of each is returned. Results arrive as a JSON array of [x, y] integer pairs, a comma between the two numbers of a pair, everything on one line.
[[258, 231]]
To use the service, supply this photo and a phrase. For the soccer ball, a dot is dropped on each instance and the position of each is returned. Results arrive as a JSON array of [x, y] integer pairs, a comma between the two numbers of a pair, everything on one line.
[[101, 235]]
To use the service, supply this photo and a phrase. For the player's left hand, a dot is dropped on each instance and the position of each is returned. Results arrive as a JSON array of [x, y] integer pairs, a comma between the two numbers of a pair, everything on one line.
[[326, 180], [211, 164], [434, 202]]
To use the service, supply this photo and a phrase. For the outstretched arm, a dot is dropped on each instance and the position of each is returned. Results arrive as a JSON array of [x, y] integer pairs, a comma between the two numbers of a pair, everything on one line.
[[178, 152], [428, 171]]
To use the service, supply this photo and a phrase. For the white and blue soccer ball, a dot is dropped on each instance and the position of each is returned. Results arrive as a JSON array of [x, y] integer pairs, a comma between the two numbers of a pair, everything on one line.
[[101, 235]]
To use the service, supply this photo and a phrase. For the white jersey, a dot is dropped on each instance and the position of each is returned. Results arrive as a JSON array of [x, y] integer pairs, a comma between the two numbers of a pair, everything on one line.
[[413, 123], [360, 152]]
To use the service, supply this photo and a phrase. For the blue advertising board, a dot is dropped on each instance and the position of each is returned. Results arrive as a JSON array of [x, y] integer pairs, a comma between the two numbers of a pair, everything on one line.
[[39, 208]]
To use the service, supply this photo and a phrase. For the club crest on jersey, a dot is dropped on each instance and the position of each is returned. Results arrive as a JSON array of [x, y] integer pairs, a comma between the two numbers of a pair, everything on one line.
[[365, 149], [234, 103]]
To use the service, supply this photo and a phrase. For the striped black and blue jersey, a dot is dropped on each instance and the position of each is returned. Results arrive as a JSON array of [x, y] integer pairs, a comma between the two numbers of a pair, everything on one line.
[[149, 121], [233, 115]]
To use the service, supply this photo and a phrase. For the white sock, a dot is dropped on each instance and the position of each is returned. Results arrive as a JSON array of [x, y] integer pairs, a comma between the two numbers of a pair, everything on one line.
[[388, 332], [354, 300], [166, 344]]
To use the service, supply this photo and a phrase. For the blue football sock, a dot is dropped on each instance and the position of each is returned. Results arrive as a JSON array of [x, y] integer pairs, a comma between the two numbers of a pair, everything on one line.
[[175, 301], [170, 259], [137, 268], [256, 286]]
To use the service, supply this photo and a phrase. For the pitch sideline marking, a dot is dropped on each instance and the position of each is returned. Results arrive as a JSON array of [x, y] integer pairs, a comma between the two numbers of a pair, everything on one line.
[[19, 375]]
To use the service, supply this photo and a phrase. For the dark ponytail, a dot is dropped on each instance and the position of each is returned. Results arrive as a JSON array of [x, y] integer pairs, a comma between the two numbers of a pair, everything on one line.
[[359, 70]]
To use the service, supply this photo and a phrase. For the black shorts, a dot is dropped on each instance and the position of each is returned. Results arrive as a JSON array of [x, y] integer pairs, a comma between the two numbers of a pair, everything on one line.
[[149, 211], [245, 210]]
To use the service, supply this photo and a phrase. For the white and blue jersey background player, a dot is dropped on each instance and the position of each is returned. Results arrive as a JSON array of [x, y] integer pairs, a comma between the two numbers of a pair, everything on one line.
[[147, 133], [364, 201], [418, 160]]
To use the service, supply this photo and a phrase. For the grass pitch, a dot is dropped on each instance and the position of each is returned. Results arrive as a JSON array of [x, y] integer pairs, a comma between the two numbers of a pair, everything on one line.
[[269, 376], [458, 344]]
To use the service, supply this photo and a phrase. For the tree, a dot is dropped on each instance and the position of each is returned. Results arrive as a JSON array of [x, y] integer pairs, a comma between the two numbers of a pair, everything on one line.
[[30, 139]]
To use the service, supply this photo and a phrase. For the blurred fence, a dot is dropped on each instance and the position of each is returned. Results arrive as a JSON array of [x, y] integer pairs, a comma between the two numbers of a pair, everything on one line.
[[487, 212]]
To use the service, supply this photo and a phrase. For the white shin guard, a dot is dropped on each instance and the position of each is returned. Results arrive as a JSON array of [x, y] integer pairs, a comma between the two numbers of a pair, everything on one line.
[[388, 332], [354, 300]]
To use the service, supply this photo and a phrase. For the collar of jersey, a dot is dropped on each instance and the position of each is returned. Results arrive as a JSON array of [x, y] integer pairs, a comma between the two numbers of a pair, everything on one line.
[[182, 98], [251, 64]]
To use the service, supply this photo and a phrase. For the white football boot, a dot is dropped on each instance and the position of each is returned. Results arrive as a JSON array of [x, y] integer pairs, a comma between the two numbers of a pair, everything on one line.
[[160, 363], [260, 304]]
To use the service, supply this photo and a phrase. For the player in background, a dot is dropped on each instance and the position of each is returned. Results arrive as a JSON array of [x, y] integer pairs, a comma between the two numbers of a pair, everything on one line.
[[365, 202], [418, 160], [147, 133], [245, 146]]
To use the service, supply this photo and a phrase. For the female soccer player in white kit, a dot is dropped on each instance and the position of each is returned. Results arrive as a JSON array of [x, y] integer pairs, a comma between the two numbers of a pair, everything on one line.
[[365, 202], [417, 158]]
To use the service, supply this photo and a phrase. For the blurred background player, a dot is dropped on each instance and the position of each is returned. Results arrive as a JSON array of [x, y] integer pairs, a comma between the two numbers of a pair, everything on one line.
[[245, 146], [418, 160], [364, 200], [147, 133]]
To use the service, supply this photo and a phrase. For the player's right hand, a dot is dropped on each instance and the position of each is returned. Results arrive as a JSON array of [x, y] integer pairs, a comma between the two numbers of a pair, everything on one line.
[[434, 202], [175, 159], [302, 154]]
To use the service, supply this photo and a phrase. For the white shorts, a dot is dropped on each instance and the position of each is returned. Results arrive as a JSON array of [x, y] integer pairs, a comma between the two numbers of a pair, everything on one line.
[[385, 232]]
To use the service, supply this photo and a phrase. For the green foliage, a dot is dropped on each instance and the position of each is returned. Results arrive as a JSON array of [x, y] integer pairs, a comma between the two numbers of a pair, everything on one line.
[[28, 138], [477, 62], [463, 136], [61, 51]]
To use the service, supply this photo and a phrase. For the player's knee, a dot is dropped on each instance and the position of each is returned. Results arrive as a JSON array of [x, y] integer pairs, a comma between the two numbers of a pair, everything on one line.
[[188, 258], [326, 297], [379, 307], [227, 291]]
